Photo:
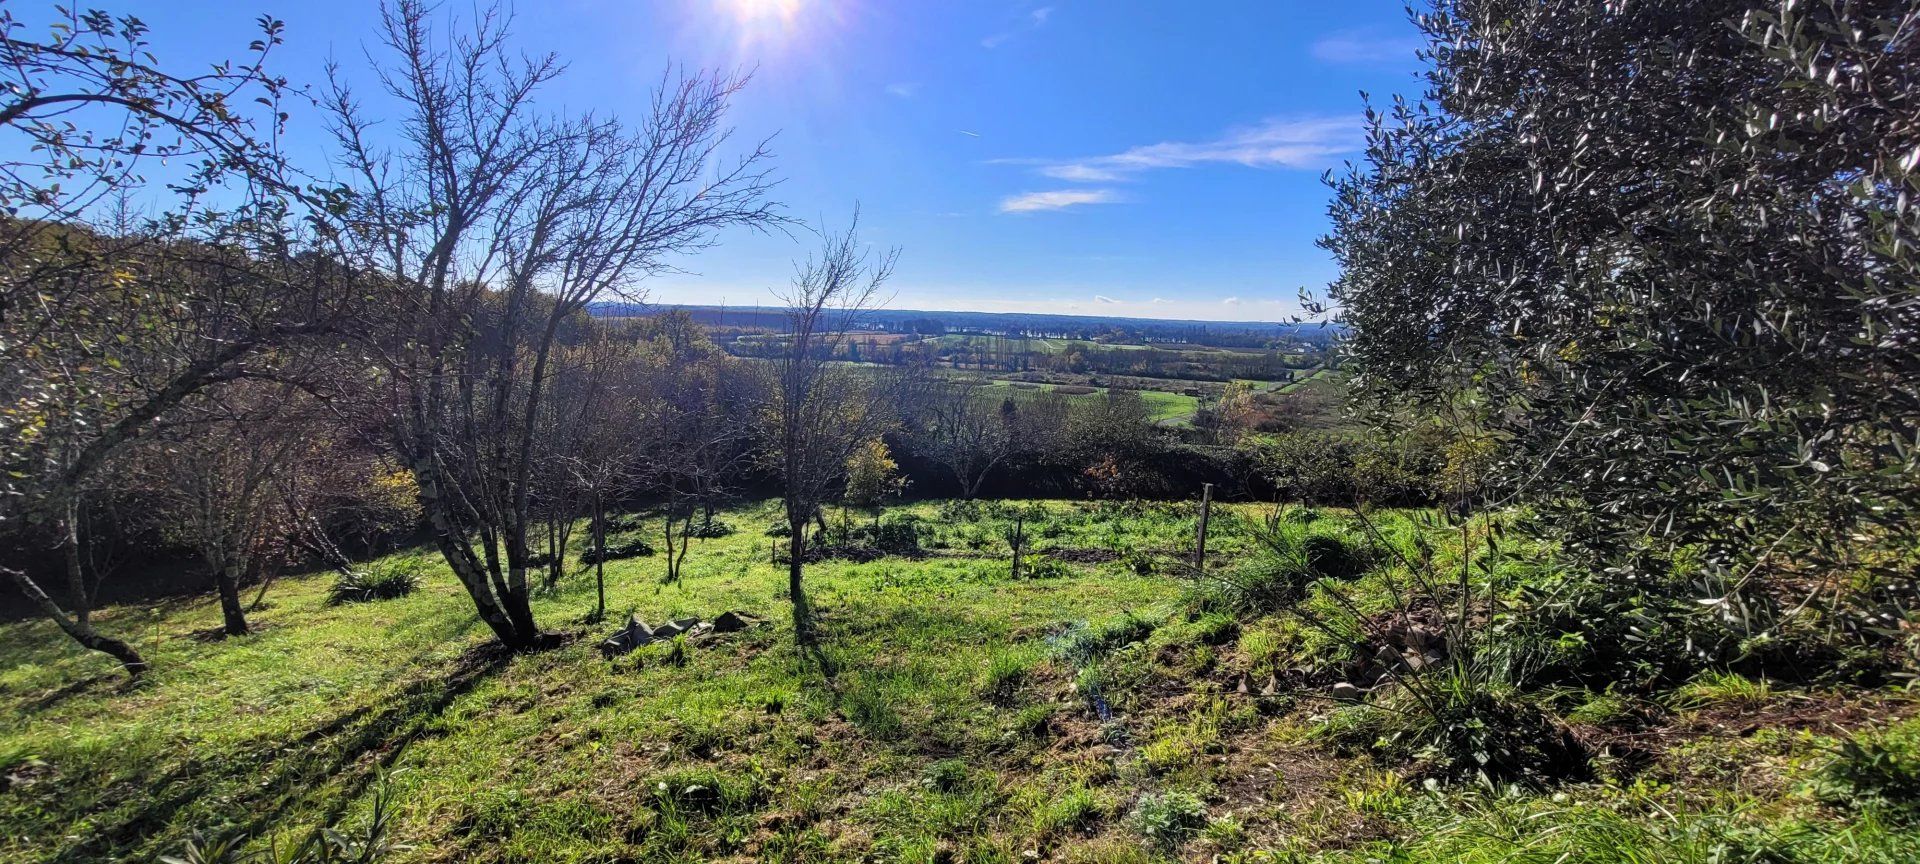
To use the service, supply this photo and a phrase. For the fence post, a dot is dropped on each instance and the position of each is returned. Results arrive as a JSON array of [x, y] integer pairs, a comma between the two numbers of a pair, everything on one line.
[[1200, 542]]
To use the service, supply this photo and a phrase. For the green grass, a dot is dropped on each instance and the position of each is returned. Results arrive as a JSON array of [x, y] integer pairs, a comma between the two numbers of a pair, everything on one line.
[[1162, 406], [949, 713]]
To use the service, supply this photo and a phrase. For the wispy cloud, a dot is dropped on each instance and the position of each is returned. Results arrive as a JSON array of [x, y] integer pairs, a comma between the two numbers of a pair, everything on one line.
[[904, 89], [1231, 301], [1365, 46], [1033, 20], [1311, 142], [1102, 298], [1056, 199]]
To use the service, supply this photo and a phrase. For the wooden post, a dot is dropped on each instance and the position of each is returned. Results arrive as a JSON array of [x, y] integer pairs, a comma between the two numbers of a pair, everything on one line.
[[1200, 542], [1018, 540]]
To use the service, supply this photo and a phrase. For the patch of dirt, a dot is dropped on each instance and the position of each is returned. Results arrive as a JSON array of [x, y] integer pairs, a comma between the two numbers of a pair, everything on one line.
[[1082, 554]]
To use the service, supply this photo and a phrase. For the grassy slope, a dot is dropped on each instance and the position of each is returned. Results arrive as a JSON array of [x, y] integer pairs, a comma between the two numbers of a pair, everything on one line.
[[949, 729]]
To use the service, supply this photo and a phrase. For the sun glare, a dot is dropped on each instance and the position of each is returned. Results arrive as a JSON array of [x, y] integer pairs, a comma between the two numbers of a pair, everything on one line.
[[762, 12]]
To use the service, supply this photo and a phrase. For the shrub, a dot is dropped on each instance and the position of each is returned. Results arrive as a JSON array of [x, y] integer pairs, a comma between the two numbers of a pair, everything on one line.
[[898, 534], [381, 580], [1043, 567], [1169, 819], [1876, 770], [780, 529], [631, 548], [1455, 724], [709, 529], [960, 510], [946, 776]]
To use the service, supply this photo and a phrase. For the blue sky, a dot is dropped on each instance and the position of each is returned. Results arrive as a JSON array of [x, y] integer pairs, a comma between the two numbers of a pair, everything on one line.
[[1125, 158]]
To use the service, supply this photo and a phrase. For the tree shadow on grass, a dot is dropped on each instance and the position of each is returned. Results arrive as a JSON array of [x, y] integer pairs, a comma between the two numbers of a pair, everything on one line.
[[250, 790]]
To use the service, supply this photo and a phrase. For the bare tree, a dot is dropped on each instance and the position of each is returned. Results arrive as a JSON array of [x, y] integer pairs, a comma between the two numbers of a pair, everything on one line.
[[822, 412], [496, 225], [598, 457], [968, 434]]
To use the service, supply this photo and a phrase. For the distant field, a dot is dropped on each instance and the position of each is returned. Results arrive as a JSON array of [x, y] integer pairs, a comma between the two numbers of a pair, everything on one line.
[[1162, 406]]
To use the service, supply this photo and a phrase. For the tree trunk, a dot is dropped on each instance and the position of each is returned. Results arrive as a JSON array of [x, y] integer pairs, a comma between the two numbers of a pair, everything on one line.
[[600, 558], [796, 593], [504, 610], [81, 631], [233, 617], [82, 599]]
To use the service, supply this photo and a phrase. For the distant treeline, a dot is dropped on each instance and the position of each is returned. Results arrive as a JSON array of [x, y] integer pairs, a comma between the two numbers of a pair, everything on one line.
[[1222, 334]]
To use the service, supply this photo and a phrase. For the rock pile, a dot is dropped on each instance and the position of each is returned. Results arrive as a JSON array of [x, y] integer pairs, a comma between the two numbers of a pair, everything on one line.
[[637, 633], [1409, 650]]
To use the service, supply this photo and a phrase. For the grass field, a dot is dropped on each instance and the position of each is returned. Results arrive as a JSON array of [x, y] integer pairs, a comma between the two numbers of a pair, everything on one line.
[[950, 714], [1162, 406]]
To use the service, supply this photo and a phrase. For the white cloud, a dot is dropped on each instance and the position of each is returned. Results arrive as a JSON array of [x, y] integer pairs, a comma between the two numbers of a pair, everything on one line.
[[1034, 20], [1365, 46], [904, 89], [1080, 173], [1231, 301], [1160, 300], [1311, 142], [1102, 298], [1056, 199]]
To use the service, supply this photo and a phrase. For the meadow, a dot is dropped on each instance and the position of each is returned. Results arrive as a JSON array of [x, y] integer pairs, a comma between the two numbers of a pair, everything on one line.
[[1090, 710]]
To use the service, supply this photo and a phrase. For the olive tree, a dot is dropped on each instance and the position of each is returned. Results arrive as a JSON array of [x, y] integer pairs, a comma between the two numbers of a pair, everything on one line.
[[1664, 252]]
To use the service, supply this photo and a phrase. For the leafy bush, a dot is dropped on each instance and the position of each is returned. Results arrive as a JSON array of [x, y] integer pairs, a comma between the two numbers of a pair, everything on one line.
[[1456, 724], [617, 550], [709, 529], [1169, 819], [780, 529], [381, 580], [946, 776], [1044, 567], [959, 510], [898, 534], [1878, 771]]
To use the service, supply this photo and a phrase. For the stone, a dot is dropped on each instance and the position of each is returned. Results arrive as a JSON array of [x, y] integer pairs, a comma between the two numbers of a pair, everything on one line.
[[1346, 692], [1244, 686], [1272, 687], [668, 630], [730, 622]]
